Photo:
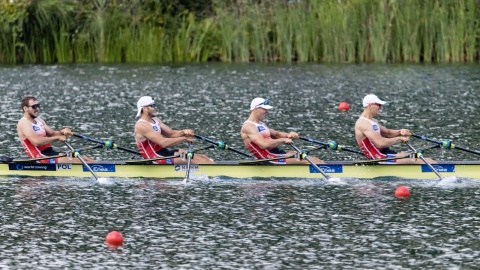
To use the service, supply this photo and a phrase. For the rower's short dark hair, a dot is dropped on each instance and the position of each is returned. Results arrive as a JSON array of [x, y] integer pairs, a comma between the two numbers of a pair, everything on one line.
[[26, 100]]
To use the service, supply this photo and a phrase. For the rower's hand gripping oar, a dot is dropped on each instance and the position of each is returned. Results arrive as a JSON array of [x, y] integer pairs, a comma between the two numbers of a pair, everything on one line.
[[106, 144], [331, 145], [447, 144], [420, 155], [77, 155], [222, 145], [189, 156], [304, 155]]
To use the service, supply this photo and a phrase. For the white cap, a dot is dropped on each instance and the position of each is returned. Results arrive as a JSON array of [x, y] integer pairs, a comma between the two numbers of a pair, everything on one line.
[[142, 102], [260, 103], [370, 99]]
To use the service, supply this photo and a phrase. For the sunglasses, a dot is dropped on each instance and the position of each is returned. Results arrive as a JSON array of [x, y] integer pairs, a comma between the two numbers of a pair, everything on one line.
[[379, 105], [153, 105], [263, 103], [35, 106]]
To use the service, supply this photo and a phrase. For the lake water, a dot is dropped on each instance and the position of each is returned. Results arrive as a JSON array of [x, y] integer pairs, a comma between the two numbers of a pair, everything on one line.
[[242, 223]]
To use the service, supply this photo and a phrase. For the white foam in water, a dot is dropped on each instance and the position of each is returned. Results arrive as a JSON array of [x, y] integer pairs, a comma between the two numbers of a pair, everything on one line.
[[105, 181], [196, 178], [336, 181], [449, 181]]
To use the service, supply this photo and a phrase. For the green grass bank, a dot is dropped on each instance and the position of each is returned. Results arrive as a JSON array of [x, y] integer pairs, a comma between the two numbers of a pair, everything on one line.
[[159, 31]]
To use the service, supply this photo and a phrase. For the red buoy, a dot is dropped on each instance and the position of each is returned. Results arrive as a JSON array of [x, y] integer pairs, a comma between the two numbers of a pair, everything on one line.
[[402, 192], [344, 106], [115, 238]]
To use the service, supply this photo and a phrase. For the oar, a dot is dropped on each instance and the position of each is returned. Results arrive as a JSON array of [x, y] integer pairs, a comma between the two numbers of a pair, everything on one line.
[[141, 161], [419, 155], [305, 156], [263, 160], [77, 155], [446, 144], [392, 158], [64, 154], [332, 145], [189, 161], [106, 144], [222, 145]]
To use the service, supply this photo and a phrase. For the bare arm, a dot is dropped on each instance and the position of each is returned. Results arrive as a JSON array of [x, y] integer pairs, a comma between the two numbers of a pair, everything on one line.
[[145, 130], [392, 133], [364, 129], [249, 132], [171, 133], [25, 131]]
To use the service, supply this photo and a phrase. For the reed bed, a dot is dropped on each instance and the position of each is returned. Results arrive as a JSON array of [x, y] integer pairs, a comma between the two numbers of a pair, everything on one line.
[[333, 31]]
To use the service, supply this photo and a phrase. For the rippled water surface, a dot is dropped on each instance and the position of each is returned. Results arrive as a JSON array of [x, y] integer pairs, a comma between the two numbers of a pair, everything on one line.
[[242, 223]]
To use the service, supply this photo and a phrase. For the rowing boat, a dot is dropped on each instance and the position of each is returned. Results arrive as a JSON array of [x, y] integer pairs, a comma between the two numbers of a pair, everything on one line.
[[235, 169]]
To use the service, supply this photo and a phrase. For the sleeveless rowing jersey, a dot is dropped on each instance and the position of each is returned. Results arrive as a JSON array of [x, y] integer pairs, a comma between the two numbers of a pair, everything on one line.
[[369, 149], [36, 151], [149, 149], [260, 153]]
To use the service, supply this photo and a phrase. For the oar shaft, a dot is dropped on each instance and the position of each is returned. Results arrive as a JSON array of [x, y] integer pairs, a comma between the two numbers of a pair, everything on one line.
[[450, 144], [424, 160], [224, 145], [333, 145], [26, 160], [162, 158], [82, 160], [189, 161], [264, 160], [311, 162], [114, 146]]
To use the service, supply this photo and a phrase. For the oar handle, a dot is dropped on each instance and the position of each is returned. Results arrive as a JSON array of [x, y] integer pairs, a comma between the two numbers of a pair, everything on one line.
[[77, 155]]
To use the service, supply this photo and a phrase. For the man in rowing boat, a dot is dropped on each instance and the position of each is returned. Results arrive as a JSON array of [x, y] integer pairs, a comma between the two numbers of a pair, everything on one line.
[[36, 136], [375, 140], [154, 138], [263, 141]]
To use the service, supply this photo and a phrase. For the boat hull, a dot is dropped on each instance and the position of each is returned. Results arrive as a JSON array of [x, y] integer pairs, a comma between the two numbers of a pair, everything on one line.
[[232, 170]]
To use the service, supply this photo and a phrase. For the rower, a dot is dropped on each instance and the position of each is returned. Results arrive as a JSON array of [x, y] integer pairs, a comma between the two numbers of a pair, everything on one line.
[[154, 138], [263, 141], [375, 140], [36, 136]]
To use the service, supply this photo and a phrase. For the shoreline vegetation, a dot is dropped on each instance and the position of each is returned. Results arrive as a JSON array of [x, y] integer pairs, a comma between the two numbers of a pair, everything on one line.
[[167, 31]]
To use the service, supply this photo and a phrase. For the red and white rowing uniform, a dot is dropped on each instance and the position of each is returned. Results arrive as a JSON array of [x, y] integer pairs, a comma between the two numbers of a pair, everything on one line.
[[369, 149], [260, 153], [149, 149], [36, 151]]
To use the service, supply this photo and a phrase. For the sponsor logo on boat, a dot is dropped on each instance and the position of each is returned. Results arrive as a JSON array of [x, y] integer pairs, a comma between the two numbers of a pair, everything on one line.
[[100, 168], [444, 168], [64, 167], [183, 168], [327, 169], [32, 167]]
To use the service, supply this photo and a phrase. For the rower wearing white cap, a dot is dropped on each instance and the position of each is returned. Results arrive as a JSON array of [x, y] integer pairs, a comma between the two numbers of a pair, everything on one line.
[[374, 139], [153, 137], [263, 141]]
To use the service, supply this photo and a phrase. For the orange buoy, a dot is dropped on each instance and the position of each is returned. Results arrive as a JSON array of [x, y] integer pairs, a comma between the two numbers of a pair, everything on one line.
[[344, 106], [114, 238], [402, 192]]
